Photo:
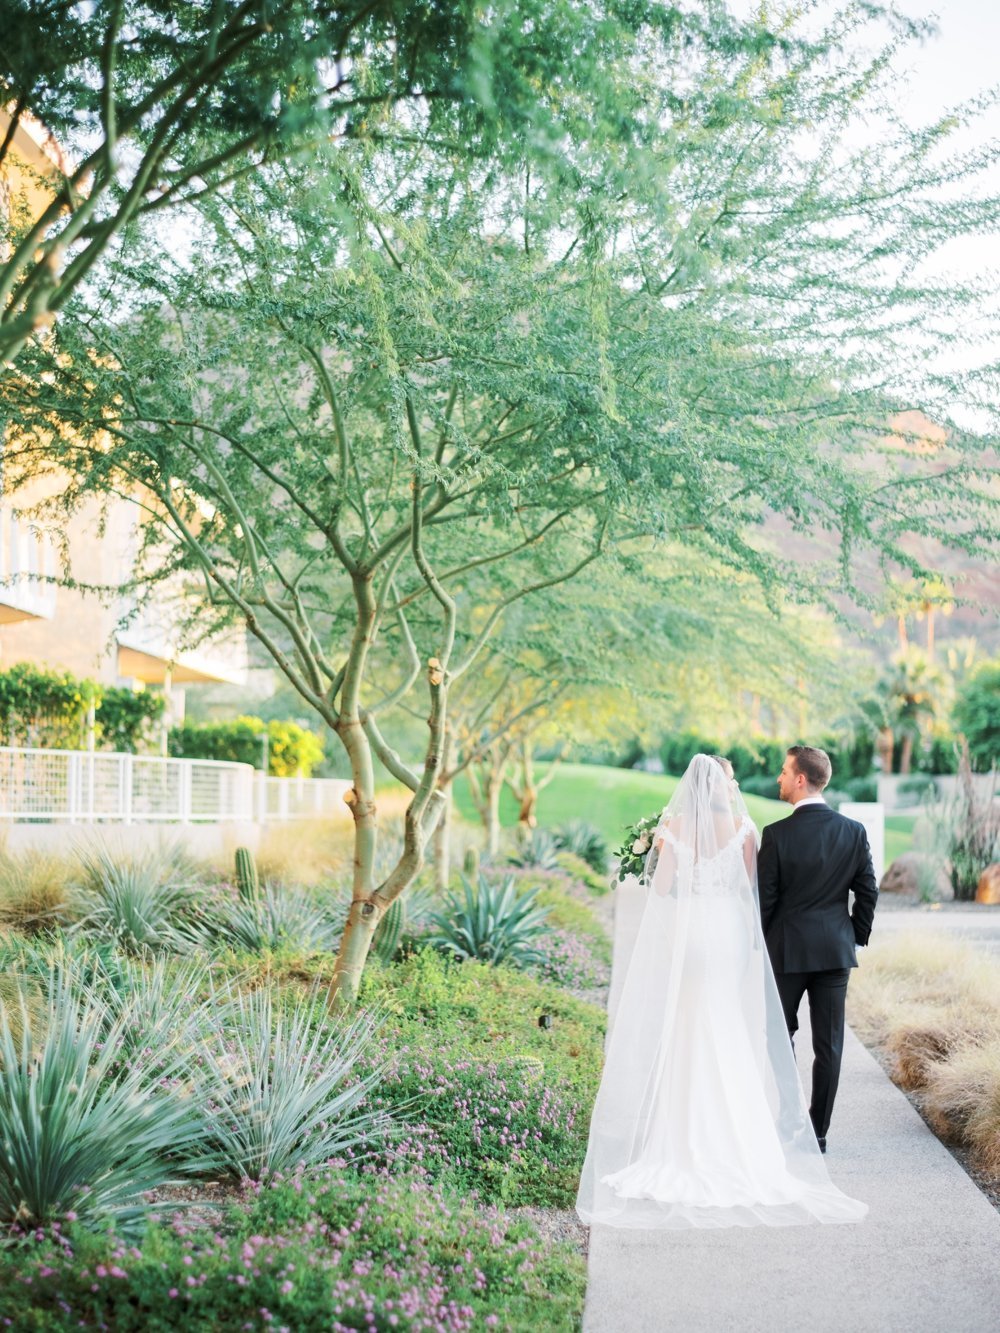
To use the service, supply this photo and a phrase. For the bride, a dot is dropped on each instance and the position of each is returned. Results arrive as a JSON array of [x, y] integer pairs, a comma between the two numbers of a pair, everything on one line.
[[700, 1120]]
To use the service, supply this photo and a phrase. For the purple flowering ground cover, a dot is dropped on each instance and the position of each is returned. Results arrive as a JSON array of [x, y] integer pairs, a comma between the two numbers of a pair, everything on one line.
[[341, 1251]]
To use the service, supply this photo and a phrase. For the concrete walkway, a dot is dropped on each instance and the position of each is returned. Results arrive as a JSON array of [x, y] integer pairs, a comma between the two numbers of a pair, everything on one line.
[[926, 1259]]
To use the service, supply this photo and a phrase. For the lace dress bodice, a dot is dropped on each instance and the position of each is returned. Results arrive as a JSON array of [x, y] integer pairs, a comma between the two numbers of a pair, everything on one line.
[[716, 876]]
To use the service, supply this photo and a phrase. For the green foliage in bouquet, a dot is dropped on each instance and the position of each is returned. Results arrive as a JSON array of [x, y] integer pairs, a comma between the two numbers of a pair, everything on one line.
[[635, 848]]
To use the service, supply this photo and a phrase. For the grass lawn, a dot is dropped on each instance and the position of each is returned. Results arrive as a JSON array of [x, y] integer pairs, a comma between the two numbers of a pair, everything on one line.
[[611, 798], [898, 835]]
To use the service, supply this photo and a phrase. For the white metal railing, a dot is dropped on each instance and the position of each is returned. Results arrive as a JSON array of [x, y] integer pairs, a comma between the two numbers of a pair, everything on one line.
[[82, 787]]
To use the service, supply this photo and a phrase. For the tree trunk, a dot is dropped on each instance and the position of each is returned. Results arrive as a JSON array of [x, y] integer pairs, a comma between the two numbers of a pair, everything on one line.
[[526, 815], [494, 788], [906, 755], [886, 745], [442, 842]]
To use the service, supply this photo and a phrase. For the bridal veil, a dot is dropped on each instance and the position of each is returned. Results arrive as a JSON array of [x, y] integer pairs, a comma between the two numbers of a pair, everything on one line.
[[700, 1120]]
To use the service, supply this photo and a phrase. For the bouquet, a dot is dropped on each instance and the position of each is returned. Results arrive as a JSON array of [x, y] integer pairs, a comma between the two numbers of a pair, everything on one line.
[[636, 847]]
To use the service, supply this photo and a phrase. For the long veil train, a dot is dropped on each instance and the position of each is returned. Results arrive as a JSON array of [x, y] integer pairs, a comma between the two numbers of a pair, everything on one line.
[[700, 1120]]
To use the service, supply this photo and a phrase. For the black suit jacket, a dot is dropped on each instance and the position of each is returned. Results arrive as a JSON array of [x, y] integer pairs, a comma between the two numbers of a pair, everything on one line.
[[807, 867]]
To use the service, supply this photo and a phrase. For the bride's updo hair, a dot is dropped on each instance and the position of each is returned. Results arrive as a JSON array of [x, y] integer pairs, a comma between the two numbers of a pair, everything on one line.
[[724, 764]]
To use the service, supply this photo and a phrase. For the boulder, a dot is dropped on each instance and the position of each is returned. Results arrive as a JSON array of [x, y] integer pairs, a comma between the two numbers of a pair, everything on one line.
[[917, 875], [988, 888]]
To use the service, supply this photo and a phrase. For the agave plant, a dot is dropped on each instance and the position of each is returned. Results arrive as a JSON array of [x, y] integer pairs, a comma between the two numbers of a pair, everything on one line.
[[492, 922], [84, 1136], [282, 1088], [140, 903], [537, 849], [279, 916], [585, 841]]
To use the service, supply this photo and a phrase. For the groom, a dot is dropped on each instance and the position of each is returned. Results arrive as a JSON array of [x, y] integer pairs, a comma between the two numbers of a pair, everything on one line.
[[807, 868]]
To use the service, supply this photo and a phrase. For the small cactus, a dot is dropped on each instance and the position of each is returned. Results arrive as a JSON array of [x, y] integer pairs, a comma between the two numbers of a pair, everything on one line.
[[470, 865], [389, 931], [246, 875]]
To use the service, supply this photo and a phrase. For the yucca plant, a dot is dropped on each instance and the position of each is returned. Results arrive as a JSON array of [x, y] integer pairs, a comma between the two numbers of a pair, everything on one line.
[[585, 841], [279, 1088], [537, 850], [82, 1136], [140, 903], [278, 917], [491, 922]]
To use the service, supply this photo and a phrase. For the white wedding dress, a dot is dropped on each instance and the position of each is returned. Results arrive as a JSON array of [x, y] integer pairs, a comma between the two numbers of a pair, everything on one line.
[[700, 1119]]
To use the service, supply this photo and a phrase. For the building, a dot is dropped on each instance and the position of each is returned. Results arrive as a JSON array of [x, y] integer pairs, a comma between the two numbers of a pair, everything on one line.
[[102, 636]]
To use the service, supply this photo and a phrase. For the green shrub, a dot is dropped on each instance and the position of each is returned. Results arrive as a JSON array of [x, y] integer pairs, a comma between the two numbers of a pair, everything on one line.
[[492, 922], [126, 718], [580, 872], [977, 714], [43, 707], [862, 789], [291, 749]]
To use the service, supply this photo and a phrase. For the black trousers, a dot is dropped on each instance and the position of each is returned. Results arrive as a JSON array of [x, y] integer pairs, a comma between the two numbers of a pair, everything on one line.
[[827, 993]]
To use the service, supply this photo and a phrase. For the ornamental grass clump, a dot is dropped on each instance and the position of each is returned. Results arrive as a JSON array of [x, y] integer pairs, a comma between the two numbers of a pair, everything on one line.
[[141, 903], [280, 1087], [492, 922], [84, 1135], [35, 890]]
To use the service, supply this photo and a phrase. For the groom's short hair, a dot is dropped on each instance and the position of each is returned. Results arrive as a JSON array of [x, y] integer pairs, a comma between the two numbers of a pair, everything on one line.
[[813, 764]]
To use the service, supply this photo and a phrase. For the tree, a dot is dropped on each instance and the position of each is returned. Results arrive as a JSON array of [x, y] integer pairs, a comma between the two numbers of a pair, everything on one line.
[[913, 694], [397, 363], [976, 714]]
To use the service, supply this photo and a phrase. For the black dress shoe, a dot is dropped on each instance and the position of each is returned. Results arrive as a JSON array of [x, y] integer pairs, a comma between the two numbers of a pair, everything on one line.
[[822, 1144]]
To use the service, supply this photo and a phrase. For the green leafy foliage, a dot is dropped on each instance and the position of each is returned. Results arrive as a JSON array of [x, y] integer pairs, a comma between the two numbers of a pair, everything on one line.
[[491, 921], [291, 749], [977, 714], [126, 718], [636, 846], [43, 707]]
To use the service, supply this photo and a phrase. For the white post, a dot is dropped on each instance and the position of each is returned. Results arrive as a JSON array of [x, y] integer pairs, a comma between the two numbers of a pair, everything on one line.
[[125, 776], [185, 789], [73, 787], [872, 815]]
